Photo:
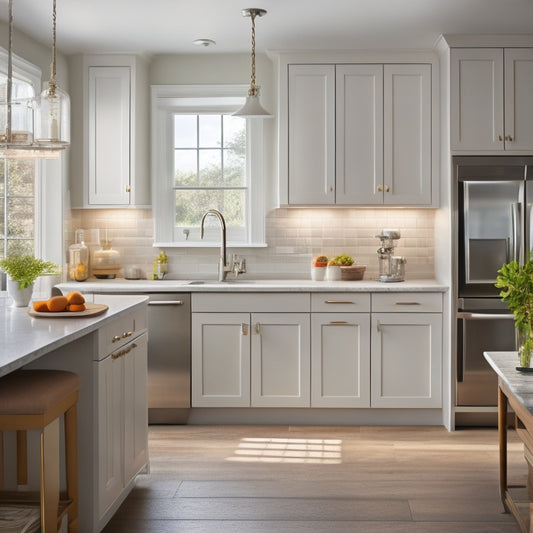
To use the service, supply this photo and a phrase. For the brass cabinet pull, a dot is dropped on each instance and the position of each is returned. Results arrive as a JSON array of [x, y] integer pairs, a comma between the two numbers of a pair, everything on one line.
[[406, 303], [124, 352], [338, 302], [380, 188], [339, 322], [258, 328], [116, 338], [387, 188], [509, 138], [244, 329], [500, 138], [127, 334], [128, 188], [378, 326]]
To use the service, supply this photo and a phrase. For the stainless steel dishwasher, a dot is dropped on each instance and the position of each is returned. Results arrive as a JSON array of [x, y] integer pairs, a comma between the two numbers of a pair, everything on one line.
[[169, 358]]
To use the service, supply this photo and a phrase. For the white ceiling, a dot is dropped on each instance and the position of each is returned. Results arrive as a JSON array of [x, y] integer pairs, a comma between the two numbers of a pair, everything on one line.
[[170, 26]]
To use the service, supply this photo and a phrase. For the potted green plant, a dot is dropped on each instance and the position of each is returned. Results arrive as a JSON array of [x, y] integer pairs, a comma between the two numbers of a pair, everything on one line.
[[22, 271], [516, 282]]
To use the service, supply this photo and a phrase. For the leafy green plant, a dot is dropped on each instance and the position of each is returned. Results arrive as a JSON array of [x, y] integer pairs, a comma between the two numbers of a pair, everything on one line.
[[516, 280], [26, 268]]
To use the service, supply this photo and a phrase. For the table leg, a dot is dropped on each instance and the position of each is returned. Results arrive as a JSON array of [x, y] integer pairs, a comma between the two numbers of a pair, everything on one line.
[[502, 434]]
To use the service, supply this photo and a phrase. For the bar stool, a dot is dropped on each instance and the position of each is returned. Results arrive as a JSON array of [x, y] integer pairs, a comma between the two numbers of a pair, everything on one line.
[[35, 400]]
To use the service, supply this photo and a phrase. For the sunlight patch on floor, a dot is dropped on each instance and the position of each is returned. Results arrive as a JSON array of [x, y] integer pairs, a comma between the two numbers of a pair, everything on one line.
[[278, 450]]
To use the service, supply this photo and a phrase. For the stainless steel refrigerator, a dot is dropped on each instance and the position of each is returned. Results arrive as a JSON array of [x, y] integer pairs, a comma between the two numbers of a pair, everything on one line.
[[492, 210]]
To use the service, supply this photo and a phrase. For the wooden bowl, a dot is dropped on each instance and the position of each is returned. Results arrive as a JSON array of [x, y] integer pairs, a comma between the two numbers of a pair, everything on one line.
[[352, 272]]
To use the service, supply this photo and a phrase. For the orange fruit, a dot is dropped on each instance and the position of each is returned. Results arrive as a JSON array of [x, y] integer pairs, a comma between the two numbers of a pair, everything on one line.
[[56, 304], [75, 298]]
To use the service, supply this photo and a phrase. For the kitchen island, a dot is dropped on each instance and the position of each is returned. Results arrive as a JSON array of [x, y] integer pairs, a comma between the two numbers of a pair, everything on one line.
[[515, 390], [109, 353]]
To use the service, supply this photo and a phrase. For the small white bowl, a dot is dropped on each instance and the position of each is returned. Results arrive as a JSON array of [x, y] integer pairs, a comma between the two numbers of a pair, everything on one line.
[[333, 273]]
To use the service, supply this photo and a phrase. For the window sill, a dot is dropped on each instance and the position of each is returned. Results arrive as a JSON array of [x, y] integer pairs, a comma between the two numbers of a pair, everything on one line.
[[212, 244]]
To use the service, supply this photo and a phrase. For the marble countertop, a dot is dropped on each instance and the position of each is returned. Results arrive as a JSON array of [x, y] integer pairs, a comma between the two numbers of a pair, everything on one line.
[[24, 338], [249, 285], [519, 383]]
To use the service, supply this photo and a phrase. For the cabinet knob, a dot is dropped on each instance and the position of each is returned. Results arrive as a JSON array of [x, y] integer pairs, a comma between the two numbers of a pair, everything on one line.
[[258, 328], [509, 138], [244, 329], [500, 138], [387, 188], [127, 334], [128, 188], [116, 338], [380, 188], [331, 189]]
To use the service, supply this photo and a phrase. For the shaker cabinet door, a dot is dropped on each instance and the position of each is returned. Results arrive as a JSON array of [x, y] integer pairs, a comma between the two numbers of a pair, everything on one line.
[[311, 134]]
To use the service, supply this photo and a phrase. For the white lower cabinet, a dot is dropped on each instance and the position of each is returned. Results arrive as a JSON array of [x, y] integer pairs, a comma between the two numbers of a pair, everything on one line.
[[122, 419], [340, 360], [220, 365], [406, 359], [280, 369], [243, 360]]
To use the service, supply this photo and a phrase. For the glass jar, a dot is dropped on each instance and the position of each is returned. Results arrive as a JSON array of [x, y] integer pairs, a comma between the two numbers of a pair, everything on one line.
[[106, 262], [78, 258]]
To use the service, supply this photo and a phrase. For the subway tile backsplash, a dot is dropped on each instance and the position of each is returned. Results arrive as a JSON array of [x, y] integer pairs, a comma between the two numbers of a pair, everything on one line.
[[293, 237]]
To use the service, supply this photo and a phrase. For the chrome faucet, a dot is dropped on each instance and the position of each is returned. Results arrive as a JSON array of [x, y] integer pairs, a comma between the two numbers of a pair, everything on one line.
[[223, 267]]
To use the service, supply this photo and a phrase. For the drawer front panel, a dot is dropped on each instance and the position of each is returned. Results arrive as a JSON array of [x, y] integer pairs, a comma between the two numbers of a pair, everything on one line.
[[258, 302], [338, 302], [407, 302]]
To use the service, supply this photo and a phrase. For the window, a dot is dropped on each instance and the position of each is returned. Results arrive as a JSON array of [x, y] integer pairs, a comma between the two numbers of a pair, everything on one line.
[[204, 158], [17, 177]]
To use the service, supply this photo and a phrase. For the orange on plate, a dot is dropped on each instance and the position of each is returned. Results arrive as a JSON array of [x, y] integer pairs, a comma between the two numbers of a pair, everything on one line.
[[75, 298], [41, 306], [56, 304], [76, 308]]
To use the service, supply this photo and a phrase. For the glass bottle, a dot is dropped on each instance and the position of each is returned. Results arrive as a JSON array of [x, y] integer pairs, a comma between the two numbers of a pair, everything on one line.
[[78, 258], [106, 261]]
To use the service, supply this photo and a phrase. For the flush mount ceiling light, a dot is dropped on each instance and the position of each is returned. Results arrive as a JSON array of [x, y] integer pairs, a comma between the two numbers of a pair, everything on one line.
[[19, 138], [252, 108], [204, 42]]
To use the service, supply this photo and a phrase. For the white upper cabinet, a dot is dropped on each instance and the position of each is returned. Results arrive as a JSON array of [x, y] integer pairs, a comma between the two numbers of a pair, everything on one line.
[[359, 90], [491, 99], [312, 134], [109, 163], [358, 134], [407, 135]]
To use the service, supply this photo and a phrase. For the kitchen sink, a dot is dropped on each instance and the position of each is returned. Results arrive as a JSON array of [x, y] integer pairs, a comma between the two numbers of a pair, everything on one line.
[[228, 282]]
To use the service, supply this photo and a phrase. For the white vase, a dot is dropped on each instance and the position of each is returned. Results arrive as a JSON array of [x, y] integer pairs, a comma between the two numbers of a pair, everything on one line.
[[333, 273], [20, 297]]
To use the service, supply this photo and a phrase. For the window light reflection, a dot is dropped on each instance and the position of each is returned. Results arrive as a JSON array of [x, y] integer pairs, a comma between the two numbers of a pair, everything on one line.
[[279, 450]]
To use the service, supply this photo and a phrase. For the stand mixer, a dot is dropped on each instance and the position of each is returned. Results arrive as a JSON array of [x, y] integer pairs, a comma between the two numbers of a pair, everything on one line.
[[391, 267]]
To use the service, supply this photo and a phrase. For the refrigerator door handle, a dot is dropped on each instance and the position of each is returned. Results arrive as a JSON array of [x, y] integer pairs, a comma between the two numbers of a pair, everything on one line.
[[461, 349], [516, 221]]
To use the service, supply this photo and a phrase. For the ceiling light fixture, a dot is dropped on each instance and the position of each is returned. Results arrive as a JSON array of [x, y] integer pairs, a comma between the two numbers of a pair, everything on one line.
[[252, 107], [20, 140], [204, 42]]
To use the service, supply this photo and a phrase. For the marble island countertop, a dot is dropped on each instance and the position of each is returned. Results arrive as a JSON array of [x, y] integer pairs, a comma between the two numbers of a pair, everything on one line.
[[519, 383], [24, 338], [249, 285]]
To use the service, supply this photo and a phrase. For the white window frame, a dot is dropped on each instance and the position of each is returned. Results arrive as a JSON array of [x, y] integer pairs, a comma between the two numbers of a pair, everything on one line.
[[166, 101]]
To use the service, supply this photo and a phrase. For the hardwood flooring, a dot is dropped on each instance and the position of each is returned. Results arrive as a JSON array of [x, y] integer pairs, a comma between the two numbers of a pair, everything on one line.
[[248, 479]]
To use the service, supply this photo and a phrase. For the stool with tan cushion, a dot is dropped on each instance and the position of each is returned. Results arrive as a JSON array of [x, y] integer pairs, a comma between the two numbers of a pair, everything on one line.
[[36, 400]]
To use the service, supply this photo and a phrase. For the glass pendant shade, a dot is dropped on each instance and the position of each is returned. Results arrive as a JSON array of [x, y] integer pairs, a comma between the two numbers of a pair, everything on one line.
[[52, 119], [20, 131]]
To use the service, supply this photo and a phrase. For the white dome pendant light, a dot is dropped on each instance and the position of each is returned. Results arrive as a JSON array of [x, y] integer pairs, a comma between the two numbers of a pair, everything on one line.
[[252, 107], [52, 128]]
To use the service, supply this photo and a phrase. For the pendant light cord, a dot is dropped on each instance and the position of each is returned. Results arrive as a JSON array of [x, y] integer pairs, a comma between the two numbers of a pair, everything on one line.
[[52, 84], [253, 89], [9, 72]]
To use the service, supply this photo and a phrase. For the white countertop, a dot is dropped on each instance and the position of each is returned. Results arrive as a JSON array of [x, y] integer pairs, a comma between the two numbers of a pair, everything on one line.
[[519, 383], [24, 338], [249, 285]]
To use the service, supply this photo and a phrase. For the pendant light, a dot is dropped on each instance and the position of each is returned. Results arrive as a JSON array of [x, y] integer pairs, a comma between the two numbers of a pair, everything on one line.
[[17, 140], [52, 121], [252, 108]]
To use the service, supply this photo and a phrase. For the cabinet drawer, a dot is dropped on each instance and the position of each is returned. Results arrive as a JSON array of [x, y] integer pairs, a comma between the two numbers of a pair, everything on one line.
[[257, 302], [119, 332], [411, 302], [335, 302]]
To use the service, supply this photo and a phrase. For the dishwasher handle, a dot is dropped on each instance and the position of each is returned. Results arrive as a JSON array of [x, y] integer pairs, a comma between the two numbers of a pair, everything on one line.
[[484, 316], [167, 302]]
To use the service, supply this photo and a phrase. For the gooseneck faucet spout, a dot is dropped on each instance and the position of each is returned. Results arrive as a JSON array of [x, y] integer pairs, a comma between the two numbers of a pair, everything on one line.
[[223, 267]]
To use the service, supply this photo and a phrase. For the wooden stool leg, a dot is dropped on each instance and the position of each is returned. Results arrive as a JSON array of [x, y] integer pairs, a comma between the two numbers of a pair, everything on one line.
[[22, 457], [71, 454], [50, 477]]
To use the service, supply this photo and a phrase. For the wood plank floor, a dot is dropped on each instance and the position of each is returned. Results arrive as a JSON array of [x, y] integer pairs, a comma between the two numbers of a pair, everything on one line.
[[241, 479]]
